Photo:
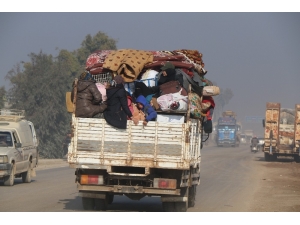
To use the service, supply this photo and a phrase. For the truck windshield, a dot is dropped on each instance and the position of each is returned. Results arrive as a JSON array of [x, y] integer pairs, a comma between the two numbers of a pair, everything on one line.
[[5, 139], [226, 127]]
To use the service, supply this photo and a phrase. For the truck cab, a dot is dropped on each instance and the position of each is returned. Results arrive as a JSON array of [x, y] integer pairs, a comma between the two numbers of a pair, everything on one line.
[[18, 147], [227, 132]]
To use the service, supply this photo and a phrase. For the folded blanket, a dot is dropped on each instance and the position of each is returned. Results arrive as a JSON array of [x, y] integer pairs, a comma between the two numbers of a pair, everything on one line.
[[97, 57], [128, 62]]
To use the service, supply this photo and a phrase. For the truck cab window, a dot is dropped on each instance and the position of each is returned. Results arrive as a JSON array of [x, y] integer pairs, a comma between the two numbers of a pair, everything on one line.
[[5, 139]]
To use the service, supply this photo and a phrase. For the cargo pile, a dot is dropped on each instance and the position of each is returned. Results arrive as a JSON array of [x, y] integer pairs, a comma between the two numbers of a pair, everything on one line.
[[146, 66]]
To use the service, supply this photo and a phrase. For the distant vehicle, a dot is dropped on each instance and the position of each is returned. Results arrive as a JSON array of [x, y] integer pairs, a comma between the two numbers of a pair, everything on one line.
[[282, 132], [261, 142], [228, 130], [243, 139], [249, 135]]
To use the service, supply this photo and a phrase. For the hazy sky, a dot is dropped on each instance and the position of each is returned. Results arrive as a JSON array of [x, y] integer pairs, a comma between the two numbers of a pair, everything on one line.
[[255, 54]]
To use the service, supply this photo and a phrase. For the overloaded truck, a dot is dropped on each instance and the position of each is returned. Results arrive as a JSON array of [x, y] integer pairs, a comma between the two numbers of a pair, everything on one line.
[[161, 159], [227, 130], [282, 132]]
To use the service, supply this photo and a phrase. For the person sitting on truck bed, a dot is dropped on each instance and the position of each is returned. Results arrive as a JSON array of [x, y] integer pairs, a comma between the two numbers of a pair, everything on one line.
[[117, 105], [146, 108], [89, 99], [168, 73]]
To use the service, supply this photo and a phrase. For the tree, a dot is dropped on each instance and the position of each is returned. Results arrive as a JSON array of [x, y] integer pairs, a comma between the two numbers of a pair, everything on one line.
[[39, 87], [2, 96], [221, 100], [99, 42]]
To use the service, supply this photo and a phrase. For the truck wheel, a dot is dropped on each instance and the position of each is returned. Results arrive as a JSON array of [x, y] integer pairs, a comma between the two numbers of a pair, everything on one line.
[[272, 158], [88, 203], [168, 206], [100, 204], [26, 176], [9, 180], [181, 206], [110, 199], [297, 158], [192, 196], [267, 157]]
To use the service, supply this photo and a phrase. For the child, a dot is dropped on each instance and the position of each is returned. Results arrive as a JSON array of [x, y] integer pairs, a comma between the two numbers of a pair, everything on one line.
[[146, 108]]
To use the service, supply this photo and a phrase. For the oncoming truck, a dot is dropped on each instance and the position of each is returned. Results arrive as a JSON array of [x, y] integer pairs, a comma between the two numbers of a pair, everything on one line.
[[227, 131], [282, 131], [161, 159]]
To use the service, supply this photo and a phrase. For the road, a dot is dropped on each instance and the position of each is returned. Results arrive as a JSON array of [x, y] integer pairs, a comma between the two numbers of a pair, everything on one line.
[[232, 180]]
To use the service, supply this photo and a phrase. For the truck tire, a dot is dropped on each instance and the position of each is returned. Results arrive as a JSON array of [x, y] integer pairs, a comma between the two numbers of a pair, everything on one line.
[[26, 176], [267, 157], [110, 199], [297, 158], [192, 196], [88, 203], [101, 204], [272, 158], [168, 206], [9, 180], [181, 206]]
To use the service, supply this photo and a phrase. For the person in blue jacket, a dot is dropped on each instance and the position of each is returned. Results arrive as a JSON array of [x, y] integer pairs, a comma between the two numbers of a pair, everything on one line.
[[146, 108]]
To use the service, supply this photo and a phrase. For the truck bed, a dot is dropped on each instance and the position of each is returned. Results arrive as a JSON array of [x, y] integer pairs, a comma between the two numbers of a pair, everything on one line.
[[96, 144]]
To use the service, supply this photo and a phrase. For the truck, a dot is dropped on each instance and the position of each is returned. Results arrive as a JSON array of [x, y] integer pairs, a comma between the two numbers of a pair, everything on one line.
[[227, 130], [18, 147], [161, 159], [281, 132]]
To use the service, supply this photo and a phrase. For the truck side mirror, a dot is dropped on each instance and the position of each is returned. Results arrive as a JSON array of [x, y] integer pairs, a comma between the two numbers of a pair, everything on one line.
[[263, 122], [18, 145]]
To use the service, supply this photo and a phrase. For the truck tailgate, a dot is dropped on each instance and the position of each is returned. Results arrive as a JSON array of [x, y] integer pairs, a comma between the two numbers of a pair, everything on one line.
[[96, 144]]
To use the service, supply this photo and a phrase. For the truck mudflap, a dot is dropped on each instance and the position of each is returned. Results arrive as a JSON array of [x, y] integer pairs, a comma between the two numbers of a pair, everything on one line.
[[123, 189]]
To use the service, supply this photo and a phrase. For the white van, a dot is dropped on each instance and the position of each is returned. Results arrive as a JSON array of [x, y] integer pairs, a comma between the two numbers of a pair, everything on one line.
[[18, 147]]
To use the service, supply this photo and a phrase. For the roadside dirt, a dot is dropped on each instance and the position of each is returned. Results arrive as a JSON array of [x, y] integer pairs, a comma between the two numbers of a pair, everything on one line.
[[51, 163], [279, 188]]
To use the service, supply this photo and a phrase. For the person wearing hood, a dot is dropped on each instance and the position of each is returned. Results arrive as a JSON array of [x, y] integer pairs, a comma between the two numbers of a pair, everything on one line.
[[168, 73], [88, 97], [146, 108], [117, 105]]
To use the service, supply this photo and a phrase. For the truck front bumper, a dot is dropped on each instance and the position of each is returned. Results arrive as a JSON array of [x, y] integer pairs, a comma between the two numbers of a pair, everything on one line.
[[5, 169]]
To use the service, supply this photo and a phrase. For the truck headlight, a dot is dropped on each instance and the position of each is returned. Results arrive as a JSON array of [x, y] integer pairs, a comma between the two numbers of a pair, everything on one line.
[[3, 159]]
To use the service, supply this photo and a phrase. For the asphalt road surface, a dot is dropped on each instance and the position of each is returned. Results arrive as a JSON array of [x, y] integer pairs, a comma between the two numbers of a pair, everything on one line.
[[232, 180]]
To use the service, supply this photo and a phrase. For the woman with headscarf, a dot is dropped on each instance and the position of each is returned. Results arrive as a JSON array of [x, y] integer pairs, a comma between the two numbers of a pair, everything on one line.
[[117, 107], [88, 98]]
